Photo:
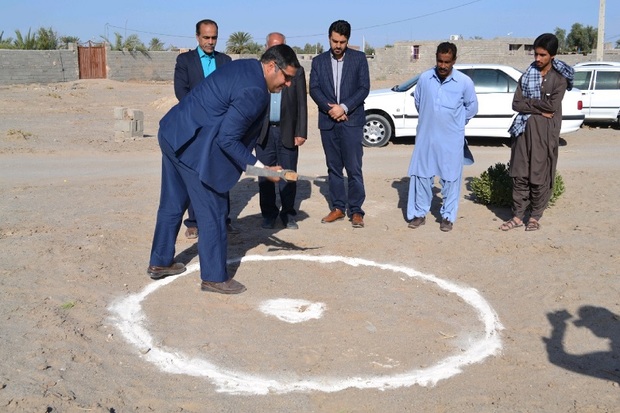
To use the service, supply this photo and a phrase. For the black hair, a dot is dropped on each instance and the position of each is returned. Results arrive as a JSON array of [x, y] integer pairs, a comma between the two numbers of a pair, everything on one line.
[[282, 55], [205, 21], [547, 41], [341, 27], [447, 47]]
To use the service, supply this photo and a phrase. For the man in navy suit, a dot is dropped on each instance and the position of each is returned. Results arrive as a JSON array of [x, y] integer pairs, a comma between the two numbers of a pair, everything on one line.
[[284, 131], [191, 69], [339, 83], [206, 142]]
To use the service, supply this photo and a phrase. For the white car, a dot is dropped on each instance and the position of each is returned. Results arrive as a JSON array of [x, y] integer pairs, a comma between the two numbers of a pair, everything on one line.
[[600, 88], [392, 113]]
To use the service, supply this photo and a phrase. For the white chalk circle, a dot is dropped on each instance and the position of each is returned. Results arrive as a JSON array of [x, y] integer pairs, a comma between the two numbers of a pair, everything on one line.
[[291, 310], [129, 318]]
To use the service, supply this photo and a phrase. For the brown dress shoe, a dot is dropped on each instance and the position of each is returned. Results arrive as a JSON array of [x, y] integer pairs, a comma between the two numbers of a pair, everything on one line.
[[227, 287], [417, 222], [335, 215], [156, 272], [357, 220], [191, 233], [445, 226]]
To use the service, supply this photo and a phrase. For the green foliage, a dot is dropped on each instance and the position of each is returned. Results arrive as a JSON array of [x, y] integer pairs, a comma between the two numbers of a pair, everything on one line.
[[239, 43], [581, 39], [131, 43], [561, 35], [5, 43], [27, 42], [368, 49], [156, 45], [46, 39], [494, 186]]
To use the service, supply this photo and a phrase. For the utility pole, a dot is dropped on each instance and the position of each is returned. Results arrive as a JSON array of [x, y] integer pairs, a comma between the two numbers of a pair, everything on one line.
[[600, 38]]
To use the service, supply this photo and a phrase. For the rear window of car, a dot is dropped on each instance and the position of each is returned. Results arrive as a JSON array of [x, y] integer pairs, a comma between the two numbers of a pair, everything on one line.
[[607, 80]]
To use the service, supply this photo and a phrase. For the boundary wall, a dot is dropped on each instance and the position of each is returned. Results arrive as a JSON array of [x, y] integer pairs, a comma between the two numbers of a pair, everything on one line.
[[50, 66]]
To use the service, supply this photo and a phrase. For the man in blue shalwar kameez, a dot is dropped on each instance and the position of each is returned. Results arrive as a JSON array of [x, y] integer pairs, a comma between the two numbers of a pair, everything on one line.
[[446, 101]]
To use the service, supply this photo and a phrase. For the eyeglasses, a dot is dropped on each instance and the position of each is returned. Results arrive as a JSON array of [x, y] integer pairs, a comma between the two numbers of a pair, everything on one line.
[[287, 77]]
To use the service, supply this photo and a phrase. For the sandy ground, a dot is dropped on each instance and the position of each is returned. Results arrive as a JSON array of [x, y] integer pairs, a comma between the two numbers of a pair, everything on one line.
[[475, 320]]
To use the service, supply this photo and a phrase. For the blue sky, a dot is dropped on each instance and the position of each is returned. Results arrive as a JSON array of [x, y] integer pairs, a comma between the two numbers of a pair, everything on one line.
[[377, 22]]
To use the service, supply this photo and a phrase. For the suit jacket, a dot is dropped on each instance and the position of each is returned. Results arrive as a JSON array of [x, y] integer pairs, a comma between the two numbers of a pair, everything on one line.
[[188, 71], [354, 87], [293, 112], [214, 129]]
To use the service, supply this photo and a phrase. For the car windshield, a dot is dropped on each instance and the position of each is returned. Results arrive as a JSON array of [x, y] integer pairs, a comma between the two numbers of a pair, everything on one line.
[[403, 87]]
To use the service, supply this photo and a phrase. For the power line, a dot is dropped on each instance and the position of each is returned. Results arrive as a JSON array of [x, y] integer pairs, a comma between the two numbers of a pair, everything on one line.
[[399, 21]]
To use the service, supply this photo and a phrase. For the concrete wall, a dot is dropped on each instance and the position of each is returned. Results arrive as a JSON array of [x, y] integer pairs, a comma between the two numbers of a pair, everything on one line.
[[38, 66], [396, 60], [126, 65], [47, 66]]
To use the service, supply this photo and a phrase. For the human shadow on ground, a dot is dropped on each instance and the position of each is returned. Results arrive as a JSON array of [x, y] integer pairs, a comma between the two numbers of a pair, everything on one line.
[[250, 233], [402, 189], [602, 323]]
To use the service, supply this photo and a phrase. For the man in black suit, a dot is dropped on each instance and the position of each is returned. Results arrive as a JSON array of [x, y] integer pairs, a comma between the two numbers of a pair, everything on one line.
[[284, 131], [191, 69], [339, 83]]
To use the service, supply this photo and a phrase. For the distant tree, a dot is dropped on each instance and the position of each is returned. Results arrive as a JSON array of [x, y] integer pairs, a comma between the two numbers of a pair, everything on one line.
[[46, 39], [476, 37], [313, 48], [28, 42], [368, 49], [561, 35], [5, 43], [65, 40], [297, 49], [239, 43], [617, 43], [581, 39], [131, 43], [156, 45], [254, 48]]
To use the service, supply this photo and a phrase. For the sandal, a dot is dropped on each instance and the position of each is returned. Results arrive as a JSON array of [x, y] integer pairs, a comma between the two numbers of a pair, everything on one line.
[[510, 224], [532, 225]]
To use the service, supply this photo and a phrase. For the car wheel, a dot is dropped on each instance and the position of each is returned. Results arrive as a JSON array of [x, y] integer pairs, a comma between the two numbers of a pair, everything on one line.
[[377, 131]]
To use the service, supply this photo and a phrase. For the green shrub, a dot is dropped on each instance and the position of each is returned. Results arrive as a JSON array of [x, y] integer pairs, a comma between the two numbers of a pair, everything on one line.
[[494, 187]]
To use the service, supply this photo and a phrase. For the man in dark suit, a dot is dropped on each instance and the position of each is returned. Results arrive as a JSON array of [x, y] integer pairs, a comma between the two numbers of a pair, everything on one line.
[[284, 131], [339, 83], [191, 69], [206, 142]]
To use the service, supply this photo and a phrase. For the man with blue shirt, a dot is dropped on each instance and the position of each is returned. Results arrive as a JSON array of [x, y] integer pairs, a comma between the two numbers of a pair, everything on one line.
[[192, 68], [446, 101]]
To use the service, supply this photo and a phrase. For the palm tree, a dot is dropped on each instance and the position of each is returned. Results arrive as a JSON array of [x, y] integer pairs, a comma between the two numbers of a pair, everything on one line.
[[238, 43], [46, 39], [131, 43], [156, 45], [25, 43], [5, 43]]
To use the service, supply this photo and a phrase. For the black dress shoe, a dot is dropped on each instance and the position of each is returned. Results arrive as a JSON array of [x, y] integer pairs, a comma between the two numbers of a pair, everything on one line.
[[231, 229], [156, 272], [227, 287], [290, 222], [268, 223]]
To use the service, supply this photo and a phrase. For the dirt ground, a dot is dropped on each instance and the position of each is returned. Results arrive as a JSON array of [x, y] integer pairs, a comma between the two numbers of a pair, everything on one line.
[[83, 328]]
